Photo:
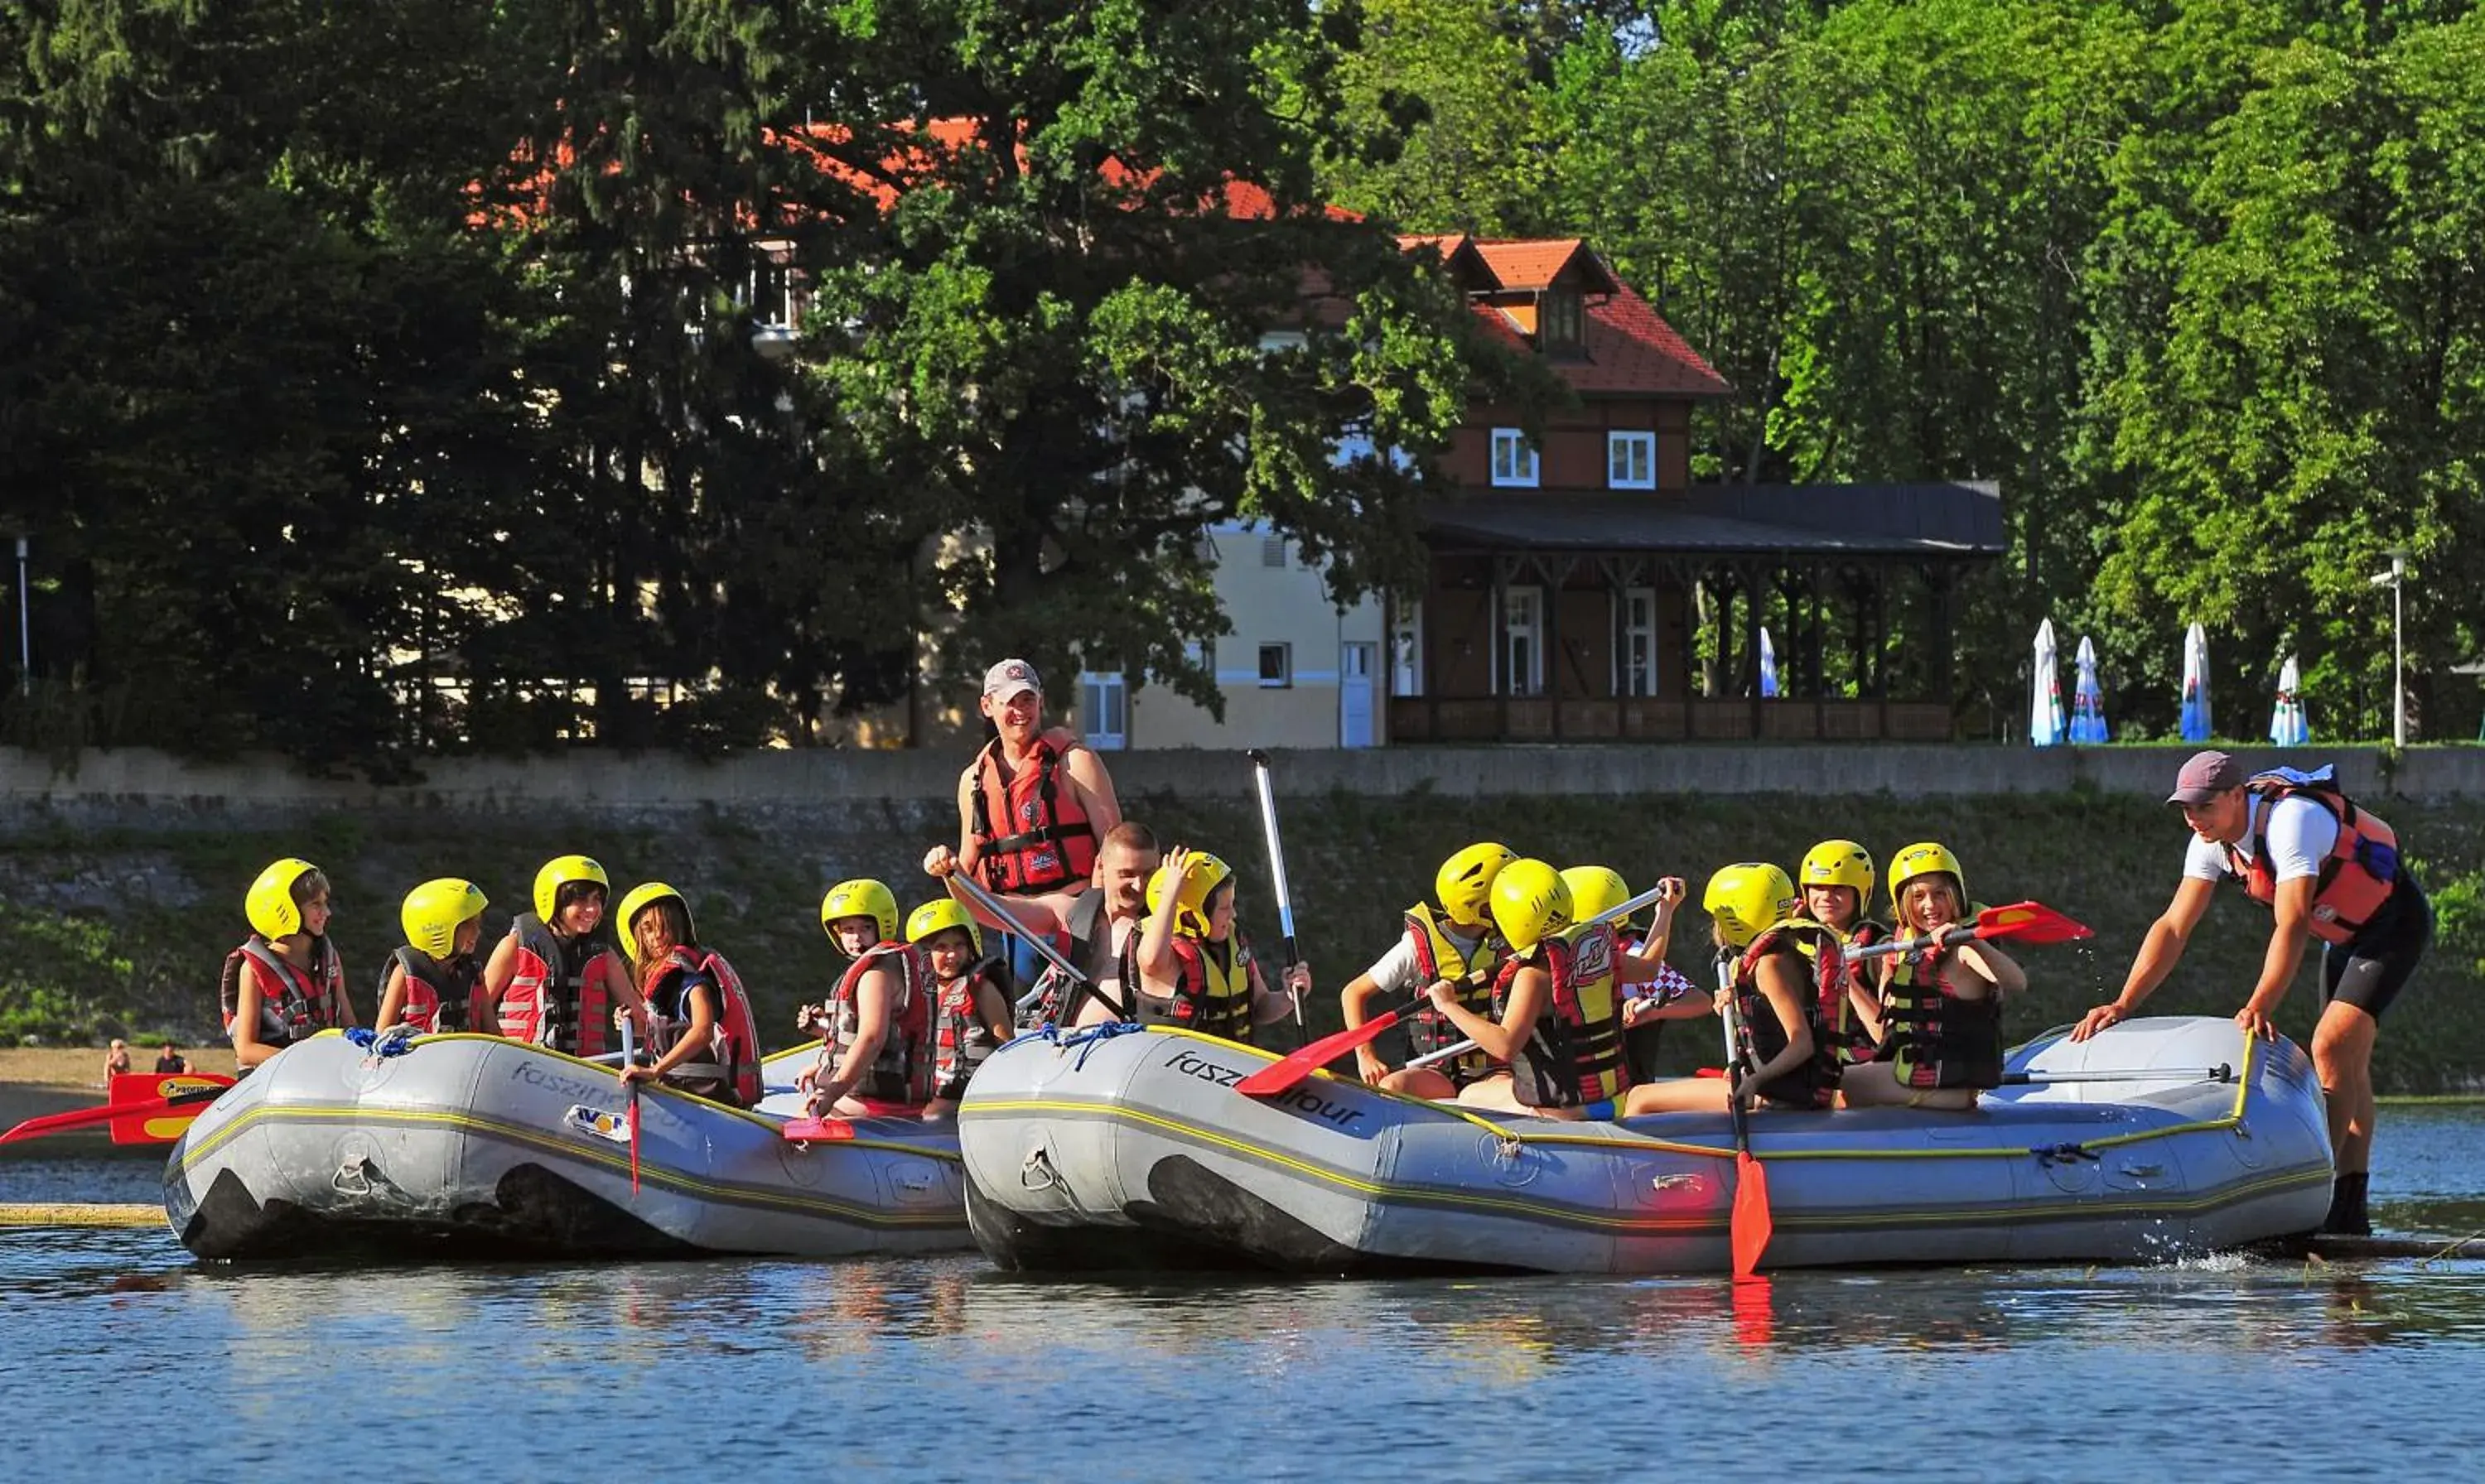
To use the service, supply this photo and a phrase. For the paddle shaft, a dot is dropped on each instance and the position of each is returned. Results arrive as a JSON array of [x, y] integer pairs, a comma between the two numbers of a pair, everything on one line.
[[1265, 781], [2222, 1072], [994, 910], [1731, 1019]]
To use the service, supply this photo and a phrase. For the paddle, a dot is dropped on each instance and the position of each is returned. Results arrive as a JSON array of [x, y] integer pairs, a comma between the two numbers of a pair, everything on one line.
[[2220, 1072], [1286, 1072], [128, 1090], [1262, 778], [993, 908], [2026, 922], [817, 1130], [81, 1117], [630, 1058], [1750, 1223]]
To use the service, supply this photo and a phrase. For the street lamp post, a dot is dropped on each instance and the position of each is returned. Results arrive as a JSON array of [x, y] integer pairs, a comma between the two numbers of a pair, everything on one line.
[[2396, 581], [25, 630]]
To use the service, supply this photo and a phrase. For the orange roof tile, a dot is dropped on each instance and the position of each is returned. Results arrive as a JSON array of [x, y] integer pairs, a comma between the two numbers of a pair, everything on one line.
[[1630, 348]]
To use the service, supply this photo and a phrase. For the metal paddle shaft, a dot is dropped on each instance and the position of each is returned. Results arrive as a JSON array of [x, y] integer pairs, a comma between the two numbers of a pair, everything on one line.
[[2222, 1072], [994, 910], [1750, 1225], [1265, 781], [1287, 1071]]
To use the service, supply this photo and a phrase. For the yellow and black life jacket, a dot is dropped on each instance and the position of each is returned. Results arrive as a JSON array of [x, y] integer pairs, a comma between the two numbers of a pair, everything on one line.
[[1574, 1053], [1439, 956], [1212, 988], [1931, 1034]]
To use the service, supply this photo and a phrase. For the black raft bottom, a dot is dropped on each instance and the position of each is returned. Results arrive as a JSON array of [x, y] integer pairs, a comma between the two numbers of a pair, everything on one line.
[[533, 1213], [1194, 1219]]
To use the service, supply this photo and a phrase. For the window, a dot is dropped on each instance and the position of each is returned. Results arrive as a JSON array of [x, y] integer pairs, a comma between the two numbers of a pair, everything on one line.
[[1630, 461], [1407, 650], [1514, 459], [1273, 551], [1105, 710], [1203, 654], [1635, 661], [1558, 320], [1276, 667], [1522, 640]]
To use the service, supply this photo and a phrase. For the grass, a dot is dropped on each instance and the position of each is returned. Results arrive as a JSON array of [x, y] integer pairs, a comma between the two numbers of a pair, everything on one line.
[[755, 878]]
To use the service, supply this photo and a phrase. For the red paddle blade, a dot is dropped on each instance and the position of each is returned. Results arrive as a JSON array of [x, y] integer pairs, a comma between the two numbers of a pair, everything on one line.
[[1751, 1222], [128, 1089], [1287, 1071], [817, 1130], [2028, 922]]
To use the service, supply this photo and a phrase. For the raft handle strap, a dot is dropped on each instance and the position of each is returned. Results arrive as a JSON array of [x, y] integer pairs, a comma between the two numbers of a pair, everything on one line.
[[2051, 1154]]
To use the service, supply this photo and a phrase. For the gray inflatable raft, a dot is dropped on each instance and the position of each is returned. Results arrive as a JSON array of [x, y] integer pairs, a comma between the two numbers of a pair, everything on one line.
[[474, 1145], [1132, 1150]]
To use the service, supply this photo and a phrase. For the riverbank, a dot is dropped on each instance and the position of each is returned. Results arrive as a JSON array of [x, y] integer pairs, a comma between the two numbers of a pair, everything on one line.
[[118, 922]]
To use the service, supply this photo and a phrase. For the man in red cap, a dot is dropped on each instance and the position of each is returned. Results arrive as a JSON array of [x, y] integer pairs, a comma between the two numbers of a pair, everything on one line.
[[1034, 805], [2328, 870]]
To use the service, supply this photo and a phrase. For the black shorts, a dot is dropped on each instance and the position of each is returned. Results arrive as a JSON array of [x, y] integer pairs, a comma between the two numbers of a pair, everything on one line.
[[2369, 971]]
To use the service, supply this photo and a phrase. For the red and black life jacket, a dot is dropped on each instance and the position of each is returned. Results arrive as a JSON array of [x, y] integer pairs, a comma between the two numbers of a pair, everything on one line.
[[961, 1039], [1933, 1036], [439, 997], [557, 995], [1574, 1054], [1439, 956], [301, 1006], [2354, 881], [1758, 1035], [1031, 833], [729, 1073], [901, 1072], [1212, 988]]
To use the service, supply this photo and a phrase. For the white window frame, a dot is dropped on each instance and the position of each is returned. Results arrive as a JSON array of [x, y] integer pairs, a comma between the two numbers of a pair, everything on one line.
[[1099, 691], [1522, 617], [1407, 649], [1623, 450], [1635, 628], [1514, 460], [1285, 677]]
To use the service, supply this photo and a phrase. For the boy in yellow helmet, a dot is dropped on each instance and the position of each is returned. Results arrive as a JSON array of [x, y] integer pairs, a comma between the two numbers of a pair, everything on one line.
[[971, 1011], [554, 980], [433, 983], [1191, 966], [1454, 944], [877, 1026]]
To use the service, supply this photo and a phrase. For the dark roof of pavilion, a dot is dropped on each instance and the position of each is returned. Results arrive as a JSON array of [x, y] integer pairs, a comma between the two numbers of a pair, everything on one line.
[[1956, 519]]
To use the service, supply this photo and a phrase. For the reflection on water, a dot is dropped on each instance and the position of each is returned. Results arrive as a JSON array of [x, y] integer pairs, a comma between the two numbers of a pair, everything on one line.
[[942, 1369]]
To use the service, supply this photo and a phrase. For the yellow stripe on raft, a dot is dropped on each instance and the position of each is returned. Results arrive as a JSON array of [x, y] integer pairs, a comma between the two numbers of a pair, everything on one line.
[[63, 1213]]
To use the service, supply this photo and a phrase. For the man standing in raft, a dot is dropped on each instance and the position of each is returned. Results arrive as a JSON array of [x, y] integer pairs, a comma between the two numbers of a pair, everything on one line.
[[2330, 871], [1033, 805]]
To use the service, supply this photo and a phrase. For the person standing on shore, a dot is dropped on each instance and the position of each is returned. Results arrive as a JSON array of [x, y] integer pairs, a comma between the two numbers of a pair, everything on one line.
[[2330, 871], [170, 1063], [115, 1059], [1034, 805]]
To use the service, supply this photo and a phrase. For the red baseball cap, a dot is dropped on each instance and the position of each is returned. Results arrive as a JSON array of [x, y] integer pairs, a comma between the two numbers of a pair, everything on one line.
[[2204, 778]]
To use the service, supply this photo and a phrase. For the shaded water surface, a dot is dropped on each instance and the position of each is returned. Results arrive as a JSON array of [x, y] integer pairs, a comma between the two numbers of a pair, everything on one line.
[[939, 1370]]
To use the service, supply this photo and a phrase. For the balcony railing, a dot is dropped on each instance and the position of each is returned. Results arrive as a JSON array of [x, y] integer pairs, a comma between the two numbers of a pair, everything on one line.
[[1636, 718]]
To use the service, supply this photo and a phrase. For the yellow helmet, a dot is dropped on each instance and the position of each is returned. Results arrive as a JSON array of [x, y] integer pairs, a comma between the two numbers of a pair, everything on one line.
[[643, 897], [859, 898], [1464, 885], [1530, 902], [938, 916], [270, 907], [558, 872], [435, 911], [1925, 859], [1205, 875], [1747, 898], [1840, 863], [1594, 889]]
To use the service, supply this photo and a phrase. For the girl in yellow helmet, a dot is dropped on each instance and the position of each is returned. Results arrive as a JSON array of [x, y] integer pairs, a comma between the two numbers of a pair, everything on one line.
[[554, 980], [970, 1010], [1191, 966], [1560, 1026], [1788, 980], [1941, 1008], [285, 982], [432, 982], [1837, 881]]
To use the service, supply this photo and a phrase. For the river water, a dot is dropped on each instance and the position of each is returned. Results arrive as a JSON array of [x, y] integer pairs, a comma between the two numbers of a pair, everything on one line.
[[126, 1360]]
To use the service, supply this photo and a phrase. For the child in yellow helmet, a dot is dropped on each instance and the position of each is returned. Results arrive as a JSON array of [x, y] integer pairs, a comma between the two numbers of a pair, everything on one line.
[[970, 1010], [1560, 1025], [1787, 978], [285, 982], [875, 1047], [554, 981], [432, 982], [1191, 966], [1941, 1008], [1837, 881], [1456, 944]]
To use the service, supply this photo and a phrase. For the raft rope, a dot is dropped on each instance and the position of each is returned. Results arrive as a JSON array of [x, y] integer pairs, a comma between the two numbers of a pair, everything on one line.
[[1082, 1040], [397, 1040]]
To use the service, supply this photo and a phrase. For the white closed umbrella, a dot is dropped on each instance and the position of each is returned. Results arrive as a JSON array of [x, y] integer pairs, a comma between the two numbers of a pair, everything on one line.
[[2195, 685], [2045, 695], [1769, 664], [2088, 698], [2287, 726]]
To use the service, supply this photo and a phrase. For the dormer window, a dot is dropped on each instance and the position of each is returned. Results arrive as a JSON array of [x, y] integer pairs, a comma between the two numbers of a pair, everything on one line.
[[1559, 323]]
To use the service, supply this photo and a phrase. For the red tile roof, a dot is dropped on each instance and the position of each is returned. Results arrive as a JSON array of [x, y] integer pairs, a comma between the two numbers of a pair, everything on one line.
[[1630, 348]]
